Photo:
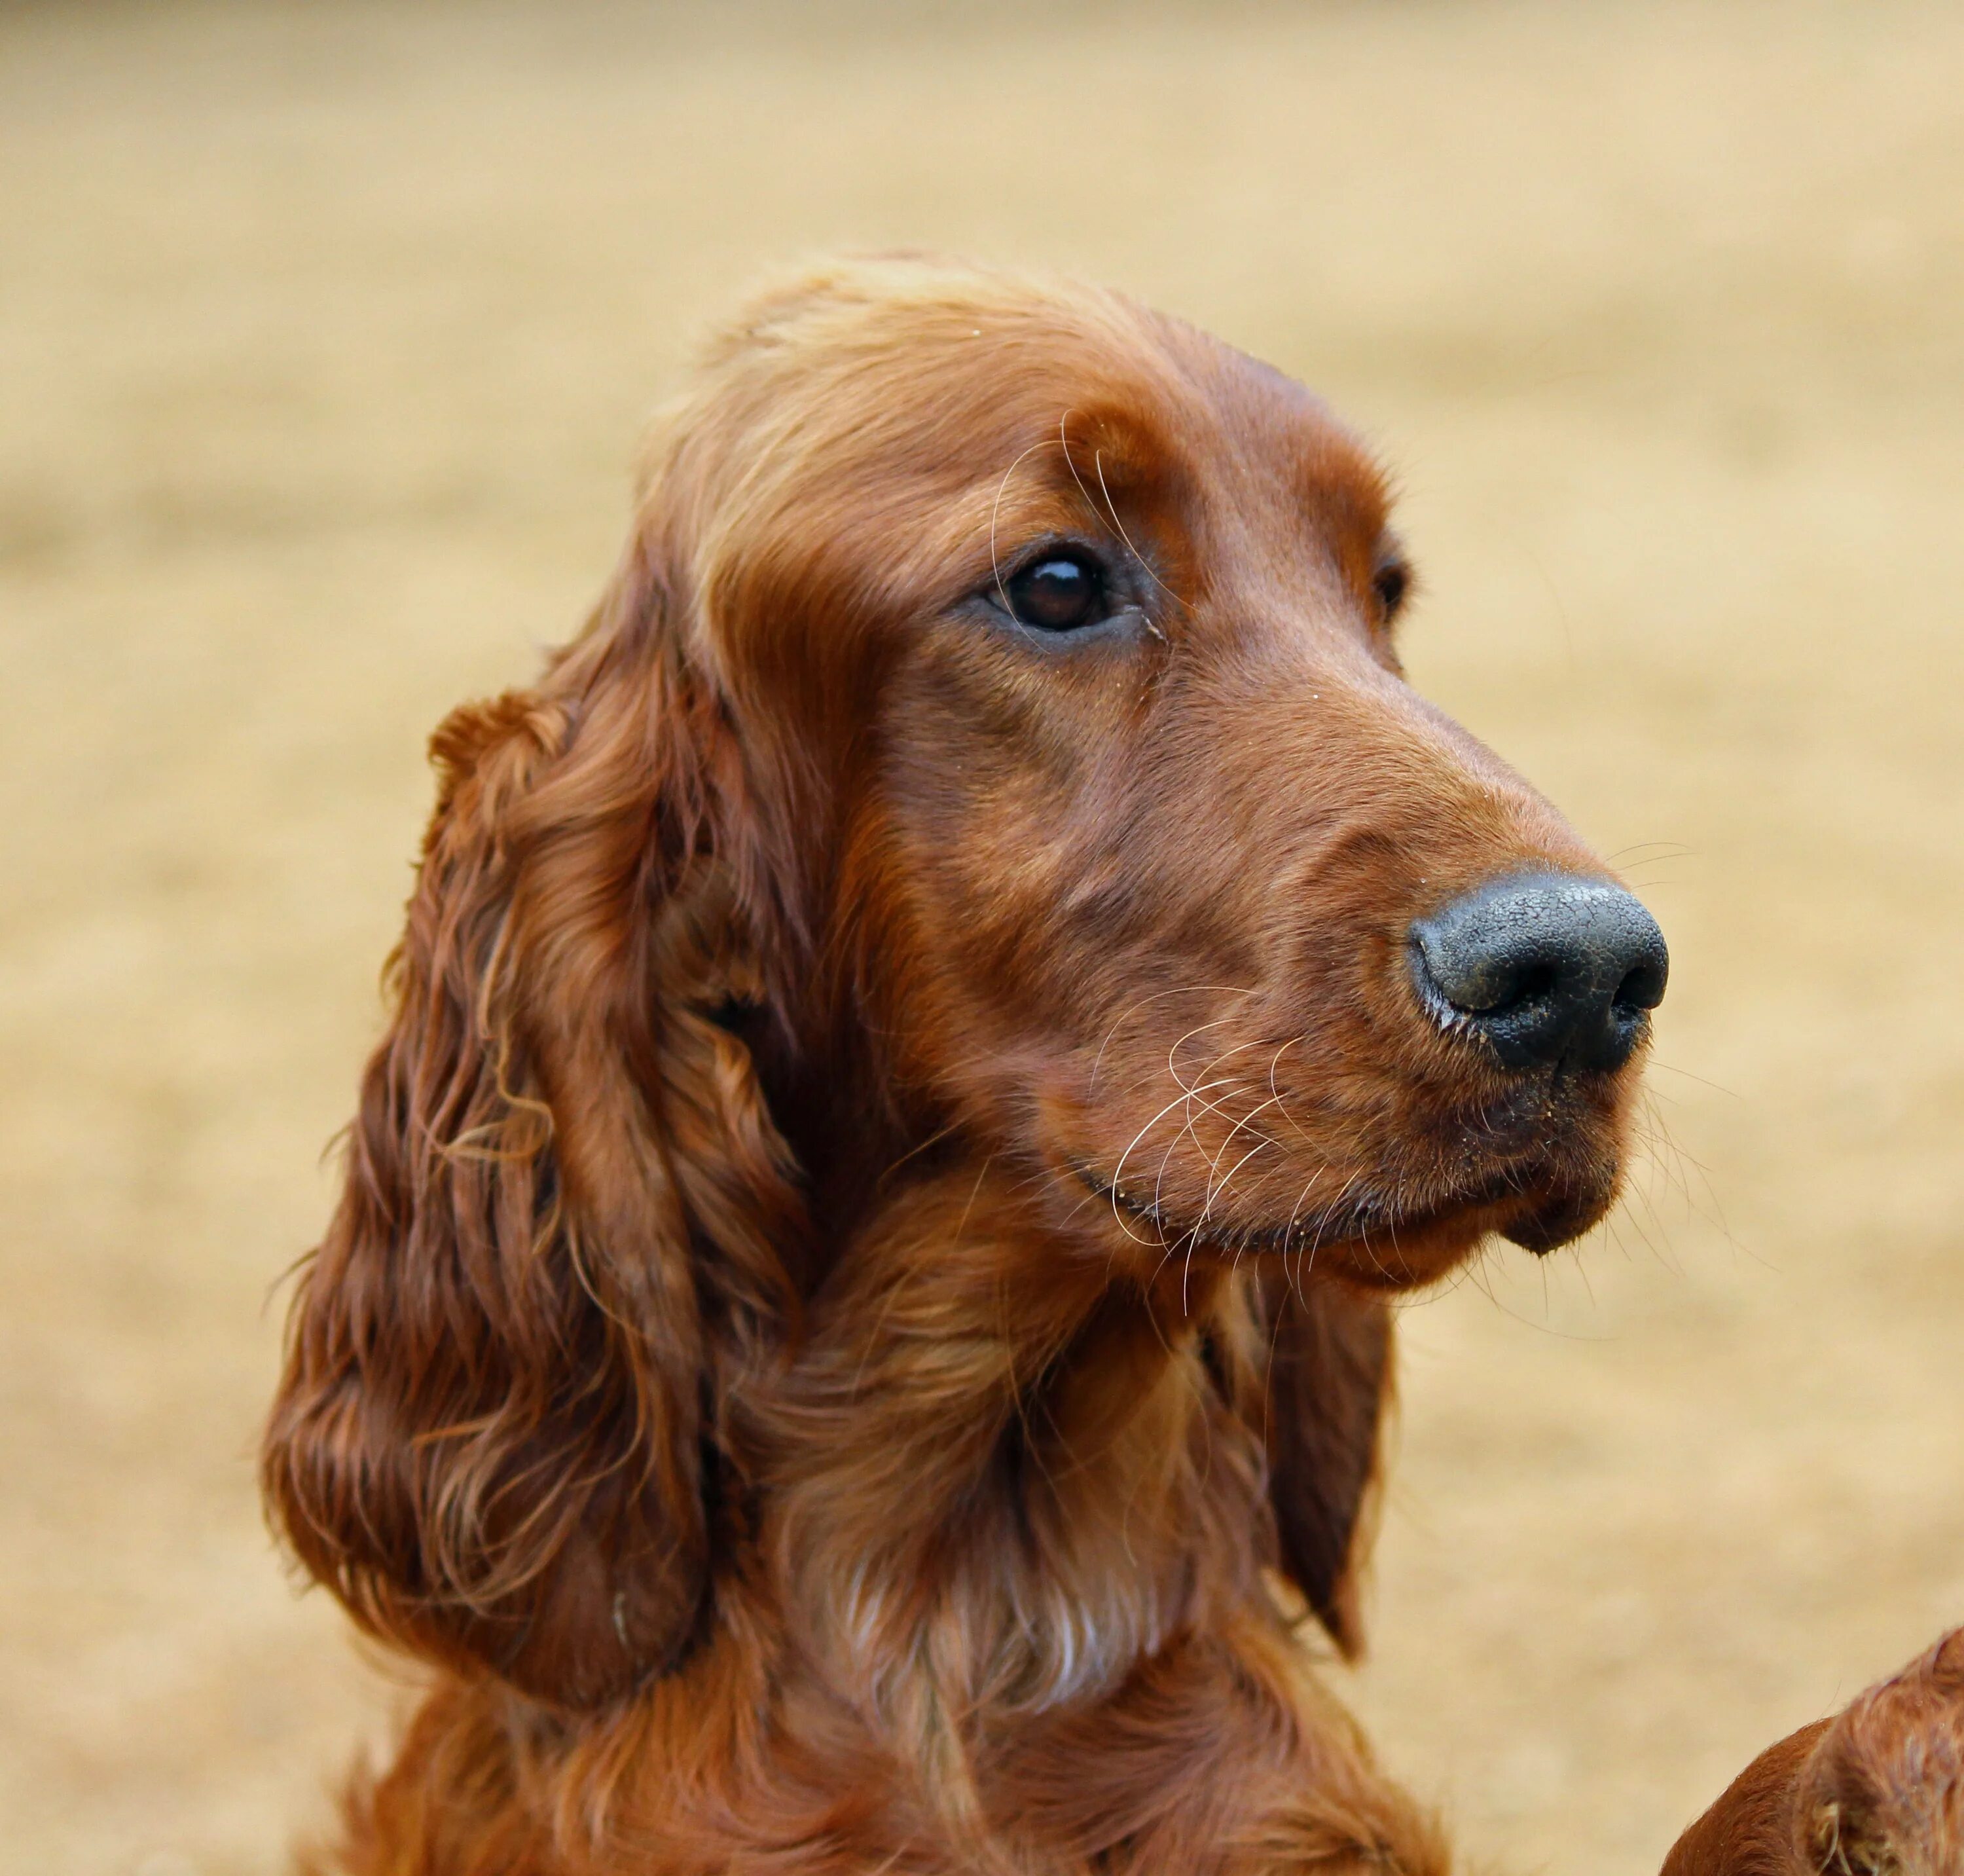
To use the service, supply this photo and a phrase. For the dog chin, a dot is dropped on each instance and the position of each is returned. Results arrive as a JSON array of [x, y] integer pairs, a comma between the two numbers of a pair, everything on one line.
[[1414, 1252], [1562, 1217]]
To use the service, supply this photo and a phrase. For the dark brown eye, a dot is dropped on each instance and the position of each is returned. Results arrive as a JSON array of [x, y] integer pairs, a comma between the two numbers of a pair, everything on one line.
[[1390, 582], [1058, 593]]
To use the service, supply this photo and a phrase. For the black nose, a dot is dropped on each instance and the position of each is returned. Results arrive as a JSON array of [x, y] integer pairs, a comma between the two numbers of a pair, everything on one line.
[[1547, 969]]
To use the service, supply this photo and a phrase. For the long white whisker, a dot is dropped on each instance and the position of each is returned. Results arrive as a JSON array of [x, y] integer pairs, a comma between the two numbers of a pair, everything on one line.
[[1199, 1029], [1098, 463], [1179, 990], [995, 510], [1214, 1192], [1064, 443]]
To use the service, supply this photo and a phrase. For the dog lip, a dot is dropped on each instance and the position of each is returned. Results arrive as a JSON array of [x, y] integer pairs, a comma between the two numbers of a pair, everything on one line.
[[1354, 1220]]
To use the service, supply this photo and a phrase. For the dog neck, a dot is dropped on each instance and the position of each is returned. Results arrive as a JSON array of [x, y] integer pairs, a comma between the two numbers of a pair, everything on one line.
[[982, 1419]]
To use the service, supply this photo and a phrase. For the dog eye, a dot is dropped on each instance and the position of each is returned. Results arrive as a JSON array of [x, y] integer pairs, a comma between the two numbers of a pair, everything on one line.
[[1059, 592], [1390, 582]]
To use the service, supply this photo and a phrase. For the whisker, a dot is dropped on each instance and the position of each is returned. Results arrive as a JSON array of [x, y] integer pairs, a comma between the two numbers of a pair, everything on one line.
[[1098, 463], [1064, 443], [995, 510], [1179, 990]]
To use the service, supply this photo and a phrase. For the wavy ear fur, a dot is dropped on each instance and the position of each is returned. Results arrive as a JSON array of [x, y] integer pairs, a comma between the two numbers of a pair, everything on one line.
[[1329, 1382], [502, 1431]]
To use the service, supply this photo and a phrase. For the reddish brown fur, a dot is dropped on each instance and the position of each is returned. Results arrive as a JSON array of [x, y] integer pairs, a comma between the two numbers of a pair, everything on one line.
[[1878, 1790], [785, 1352]]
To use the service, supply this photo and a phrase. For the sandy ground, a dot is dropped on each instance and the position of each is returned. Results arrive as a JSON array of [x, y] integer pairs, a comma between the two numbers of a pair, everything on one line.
[[324, 336]]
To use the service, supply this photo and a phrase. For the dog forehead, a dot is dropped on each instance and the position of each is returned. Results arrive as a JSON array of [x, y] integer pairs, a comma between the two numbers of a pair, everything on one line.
[[1152, 395], [1237, 434], [945, 367], [881, 428], [1165, 411]]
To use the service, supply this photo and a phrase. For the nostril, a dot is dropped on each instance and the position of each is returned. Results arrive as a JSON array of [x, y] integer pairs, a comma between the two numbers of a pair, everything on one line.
[[1641, 989], [1536, 981]]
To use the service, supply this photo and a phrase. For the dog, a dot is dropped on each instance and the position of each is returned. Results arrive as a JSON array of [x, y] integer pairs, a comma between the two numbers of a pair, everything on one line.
[[856, 1333]]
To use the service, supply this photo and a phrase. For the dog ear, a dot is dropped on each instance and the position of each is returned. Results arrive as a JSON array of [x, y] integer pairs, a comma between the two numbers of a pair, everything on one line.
[[1328, 1389], [560, 1243]]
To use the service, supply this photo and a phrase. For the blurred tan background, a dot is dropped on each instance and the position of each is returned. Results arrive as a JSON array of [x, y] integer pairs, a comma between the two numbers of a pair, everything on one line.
[[325, 333]]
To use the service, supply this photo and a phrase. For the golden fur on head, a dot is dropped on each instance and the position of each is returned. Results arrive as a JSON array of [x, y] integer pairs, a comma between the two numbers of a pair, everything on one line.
[[858, 1304]]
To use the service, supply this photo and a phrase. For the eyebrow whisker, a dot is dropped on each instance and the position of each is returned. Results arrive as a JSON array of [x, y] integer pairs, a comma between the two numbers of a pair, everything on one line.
[[1098, 463], [995, 511], [1064, 443]]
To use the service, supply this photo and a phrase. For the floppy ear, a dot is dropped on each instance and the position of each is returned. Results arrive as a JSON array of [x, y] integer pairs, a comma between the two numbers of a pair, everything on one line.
[[560, 1240], [1329, 1383]]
